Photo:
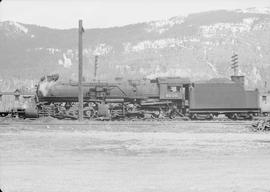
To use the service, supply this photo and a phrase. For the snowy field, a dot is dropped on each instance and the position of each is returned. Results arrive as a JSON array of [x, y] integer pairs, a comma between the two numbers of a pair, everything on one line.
[[134, 157]]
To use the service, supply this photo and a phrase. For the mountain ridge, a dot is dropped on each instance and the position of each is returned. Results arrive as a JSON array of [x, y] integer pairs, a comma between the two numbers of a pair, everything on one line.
[[198, 46]]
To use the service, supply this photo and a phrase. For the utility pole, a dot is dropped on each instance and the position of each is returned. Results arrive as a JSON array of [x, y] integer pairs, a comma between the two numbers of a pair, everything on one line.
[[96, 66], [234, 60], [80, 71]]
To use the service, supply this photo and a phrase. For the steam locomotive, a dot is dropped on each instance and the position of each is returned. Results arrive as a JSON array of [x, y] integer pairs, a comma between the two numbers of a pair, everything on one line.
[[165, 97]]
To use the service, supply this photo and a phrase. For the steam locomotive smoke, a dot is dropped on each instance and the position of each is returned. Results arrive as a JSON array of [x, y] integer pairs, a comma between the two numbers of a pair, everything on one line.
[[46, 83], [45, 86]]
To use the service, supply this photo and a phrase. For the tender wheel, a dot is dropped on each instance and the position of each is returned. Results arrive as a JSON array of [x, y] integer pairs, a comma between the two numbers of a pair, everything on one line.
[[250, 117], [194, 117], [235, 117], [210, 116]]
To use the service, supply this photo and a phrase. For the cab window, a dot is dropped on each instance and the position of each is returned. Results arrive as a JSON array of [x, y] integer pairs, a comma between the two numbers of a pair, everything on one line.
[[174, 89]]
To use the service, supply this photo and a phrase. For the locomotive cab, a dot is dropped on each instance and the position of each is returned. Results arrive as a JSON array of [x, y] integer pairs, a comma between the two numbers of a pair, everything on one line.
[[265, 103], [175, 89]]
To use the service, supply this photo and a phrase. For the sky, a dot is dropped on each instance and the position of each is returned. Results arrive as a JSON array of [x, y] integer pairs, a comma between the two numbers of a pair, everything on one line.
[[65, 14]]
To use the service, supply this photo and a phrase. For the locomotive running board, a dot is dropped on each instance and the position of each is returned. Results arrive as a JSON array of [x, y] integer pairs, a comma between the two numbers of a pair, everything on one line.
[[157, 103]]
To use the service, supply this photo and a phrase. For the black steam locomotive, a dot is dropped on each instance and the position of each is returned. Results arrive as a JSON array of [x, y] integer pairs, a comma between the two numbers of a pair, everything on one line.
[[168, 97]]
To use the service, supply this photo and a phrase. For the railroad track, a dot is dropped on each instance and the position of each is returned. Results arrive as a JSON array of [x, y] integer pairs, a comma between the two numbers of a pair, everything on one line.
[[77, 123]]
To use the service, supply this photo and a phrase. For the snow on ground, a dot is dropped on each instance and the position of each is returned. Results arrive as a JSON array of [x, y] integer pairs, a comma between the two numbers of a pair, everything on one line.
[[66, 62], [156, 44], [209, 31], [102, 49], [134, 156], [18, 27], [164, 25], [258, 10]]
